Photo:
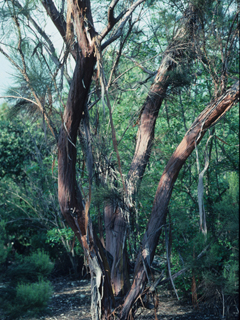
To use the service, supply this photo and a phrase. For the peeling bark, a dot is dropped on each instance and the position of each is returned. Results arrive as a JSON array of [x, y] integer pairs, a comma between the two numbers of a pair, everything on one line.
[[69, 195], [178, 52], [70, 199], [116, 229]]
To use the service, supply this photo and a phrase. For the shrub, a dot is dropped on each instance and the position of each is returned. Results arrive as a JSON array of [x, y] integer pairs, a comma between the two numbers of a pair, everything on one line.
[[30, 268], [34, 295], [41, 262], [30, 299]]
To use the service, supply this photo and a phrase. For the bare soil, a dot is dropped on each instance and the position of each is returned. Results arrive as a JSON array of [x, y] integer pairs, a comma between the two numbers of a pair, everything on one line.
[[71, 300]]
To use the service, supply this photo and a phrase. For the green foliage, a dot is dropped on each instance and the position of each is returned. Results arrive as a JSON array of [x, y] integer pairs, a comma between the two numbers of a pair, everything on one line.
[[231, 276], [14, 149], [30, 268], [54, 235], [57, 236], [218, 268], [26, 290], [223, 258], [30, 198], [41, 261], [28, 299], [34, 296], [3, 249]]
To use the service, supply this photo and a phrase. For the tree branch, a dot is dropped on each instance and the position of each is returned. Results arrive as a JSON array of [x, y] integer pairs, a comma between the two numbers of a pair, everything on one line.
[[122, 23], [208, 117], [111, 20], [59, 22]]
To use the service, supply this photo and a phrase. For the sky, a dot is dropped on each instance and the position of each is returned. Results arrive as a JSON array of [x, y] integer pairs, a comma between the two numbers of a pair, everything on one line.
[[7, 71], [5, 75]]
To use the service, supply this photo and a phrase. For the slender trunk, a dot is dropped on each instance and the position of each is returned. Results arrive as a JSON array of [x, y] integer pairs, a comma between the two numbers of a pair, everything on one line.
[[179, 51], [69, 195], [72, 205], [206, 119]]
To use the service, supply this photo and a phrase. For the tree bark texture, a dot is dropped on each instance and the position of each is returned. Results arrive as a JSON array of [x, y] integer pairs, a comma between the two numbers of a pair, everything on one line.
[[180, 50], [71, 202], [211, 114], [69, 196], [116, 232]]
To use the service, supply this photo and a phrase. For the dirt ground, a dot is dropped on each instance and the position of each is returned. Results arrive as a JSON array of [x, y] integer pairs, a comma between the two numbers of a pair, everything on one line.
[[71, 300]]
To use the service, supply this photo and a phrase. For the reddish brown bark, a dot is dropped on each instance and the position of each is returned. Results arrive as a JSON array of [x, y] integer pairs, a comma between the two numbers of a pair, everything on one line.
[[69, 196], [159, 211], [70, 199], [179, 50], [116, 228]]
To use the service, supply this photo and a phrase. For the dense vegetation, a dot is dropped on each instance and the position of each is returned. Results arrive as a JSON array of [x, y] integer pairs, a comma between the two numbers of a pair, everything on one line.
[[199, 261]]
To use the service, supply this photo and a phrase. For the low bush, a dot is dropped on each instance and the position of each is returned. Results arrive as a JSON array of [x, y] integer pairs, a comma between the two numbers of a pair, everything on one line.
[[30, 299], [30, 268], [34, 296], [26, 290]]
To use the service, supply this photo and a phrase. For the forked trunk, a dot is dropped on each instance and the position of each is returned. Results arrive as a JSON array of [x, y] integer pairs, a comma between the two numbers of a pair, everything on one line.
[[180, 50], [206, 119]]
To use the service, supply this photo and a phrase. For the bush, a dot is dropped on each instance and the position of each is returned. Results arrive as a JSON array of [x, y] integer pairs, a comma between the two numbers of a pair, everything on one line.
[[21, 297], [30, 268], [34, 296], [30, 299], [41, 262]]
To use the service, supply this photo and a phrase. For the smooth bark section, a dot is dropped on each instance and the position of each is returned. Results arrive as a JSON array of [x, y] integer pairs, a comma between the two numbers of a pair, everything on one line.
[[69, 196], [211, 114]]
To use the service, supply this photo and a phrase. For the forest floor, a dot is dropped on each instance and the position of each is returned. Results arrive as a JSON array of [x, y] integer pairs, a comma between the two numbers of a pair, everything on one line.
[[71, 300]]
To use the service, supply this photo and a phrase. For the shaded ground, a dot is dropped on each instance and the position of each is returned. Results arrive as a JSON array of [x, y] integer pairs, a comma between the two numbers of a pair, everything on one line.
[[71, 300]]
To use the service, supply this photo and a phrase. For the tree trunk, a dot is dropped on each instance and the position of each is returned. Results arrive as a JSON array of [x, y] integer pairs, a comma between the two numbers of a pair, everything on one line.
[[180, 50], [116, 232], [205, 120], [72, 205]]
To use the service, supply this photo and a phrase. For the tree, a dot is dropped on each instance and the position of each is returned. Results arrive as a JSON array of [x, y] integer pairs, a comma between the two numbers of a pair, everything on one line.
[[190, 47]]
